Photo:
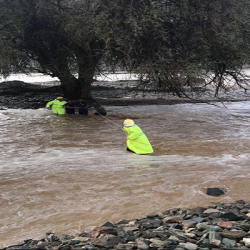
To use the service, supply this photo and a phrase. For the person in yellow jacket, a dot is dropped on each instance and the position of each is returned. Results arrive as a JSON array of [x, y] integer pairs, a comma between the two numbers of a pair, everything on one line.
[[137, 141], [57, 106]]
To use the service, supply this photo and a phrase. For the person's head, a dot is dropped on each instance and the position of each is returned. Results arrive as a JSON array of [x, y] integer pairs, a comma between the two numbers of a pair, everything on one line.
[[59, 98], [128, 123]]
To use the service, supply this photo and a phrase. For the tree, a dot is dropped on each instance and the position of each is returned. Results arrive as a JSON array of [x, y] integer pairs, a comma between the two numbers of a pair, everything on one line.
[[197, 39], [67, 38], [168, 43]]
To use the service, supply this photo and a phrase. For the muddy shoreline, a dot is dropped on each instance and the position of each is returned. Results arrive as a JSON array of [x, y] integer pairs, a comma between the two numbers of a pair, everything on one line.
[[219, 226], [21, 95]]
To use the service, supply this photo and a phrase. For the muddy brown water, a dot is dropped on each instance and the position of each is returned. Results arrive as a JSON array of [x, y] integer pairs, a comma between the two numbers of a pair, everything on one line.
[[63, 174]]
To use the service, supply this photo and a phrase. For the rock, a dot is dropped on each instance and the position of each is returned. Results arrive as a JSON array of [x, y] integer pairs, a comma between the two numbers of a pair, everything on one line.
[[172, 219], [216, 191], [74, 242], [225, 224], [128, 246], [90, 247], [190, 235], [205, 243], [198, 219], [103, 230], [214, 238], [230, 215], [177, 233], [206, 226], [81, 239], [106, 240], [228, 242], [190, 246], [233, 234], [246, 241], [108, 224], [41, 244], [129, 228], [211, 210], [244, 226], [66, 247], [132, 222], [51, 237], [66, 238], [172, 237], [149, 223], [179, 248], [248, 214], [141, 244], [159, 243], [189, 224]]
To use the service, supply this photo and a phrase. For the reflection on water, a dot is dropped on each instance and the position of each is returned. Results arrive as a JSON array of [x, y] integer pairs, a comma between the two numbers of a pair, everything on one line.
[[65, 173]]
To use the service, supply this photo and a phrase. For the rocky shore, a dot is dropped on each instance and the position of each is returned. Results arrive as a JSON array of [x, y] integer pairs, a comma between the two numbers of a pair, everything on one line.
[[21, 95], [219, 226]]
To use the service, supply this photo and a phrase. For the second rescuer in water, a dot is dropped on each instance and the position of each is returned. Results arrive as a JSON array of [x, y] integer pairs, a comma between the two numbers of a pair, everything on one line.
[[137, 141]]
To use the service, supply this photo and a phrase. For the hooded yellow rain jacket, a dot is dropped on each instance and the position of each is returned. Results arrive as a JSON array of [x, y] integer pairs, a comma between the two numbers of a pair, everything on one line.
[[57, 107], [137, 141]]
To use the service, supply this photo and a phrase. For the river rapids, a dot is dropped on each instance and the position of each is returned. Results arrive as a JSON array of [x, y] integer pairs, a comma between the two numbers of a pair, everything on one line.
[[62, 174]]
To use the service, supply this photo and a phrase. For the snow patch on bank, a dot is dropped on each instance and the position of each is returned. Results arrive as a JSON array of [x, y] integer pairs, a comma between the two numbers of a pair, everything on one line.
[[40, 78]]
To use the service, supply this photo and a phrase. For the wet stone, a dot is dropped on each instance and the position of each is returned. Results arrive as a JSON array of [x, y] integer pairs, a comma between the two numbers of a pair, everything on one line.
[[108, 224], [159, 243], [214, 238], [125, 246], [233, 234], [230, 215], [141, 244], [190, 246], [66, 247], [189, 224], [74, 242], [211, 210], [177, 233], [149, 223], [198, 219], [206, 226], [106, 240], [225, 224], [216, 191], [244, 226], [190, 235], [172, 219], [228, 242], [246, 241]]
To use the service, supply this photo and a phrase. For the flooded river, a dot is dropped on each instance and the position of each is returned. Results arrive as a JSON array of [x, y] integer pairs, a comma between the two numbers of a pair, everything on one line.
[[65, 173]]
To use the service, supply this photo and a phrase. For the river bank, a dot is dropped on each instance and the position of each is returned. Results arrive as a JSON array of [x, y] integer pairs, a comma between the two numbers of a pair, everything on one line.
[[22, 95], [218, 226]]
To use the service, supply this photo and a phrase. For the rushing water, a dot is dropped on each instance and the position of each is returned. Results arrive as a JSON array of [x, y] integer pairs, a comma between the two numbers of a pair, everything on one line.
[[65, 173]]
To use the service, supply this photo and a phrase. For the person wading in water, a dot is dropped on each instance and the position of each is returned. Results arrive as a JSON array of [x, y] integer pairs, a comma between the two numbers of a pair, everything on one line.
[[137, 141], [57, 106]]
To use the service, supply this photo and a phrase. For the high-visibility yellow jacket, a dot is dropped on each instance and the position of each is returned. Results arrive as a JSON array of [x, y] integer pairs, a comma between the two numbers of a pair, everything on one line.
[[57, 106], [137, 141]]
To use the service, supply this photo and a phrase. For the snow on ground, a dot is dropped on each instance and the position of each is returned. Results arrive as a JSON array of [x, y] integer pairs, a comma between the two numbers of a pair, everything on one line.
[[40, 78]]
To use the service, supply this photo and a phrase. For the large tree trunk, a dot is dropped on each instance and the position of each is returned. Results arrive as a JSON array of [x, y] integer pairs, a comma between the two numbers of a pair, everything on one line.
[[78, 88], [74, 89], [71, 88], [86, 87]]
